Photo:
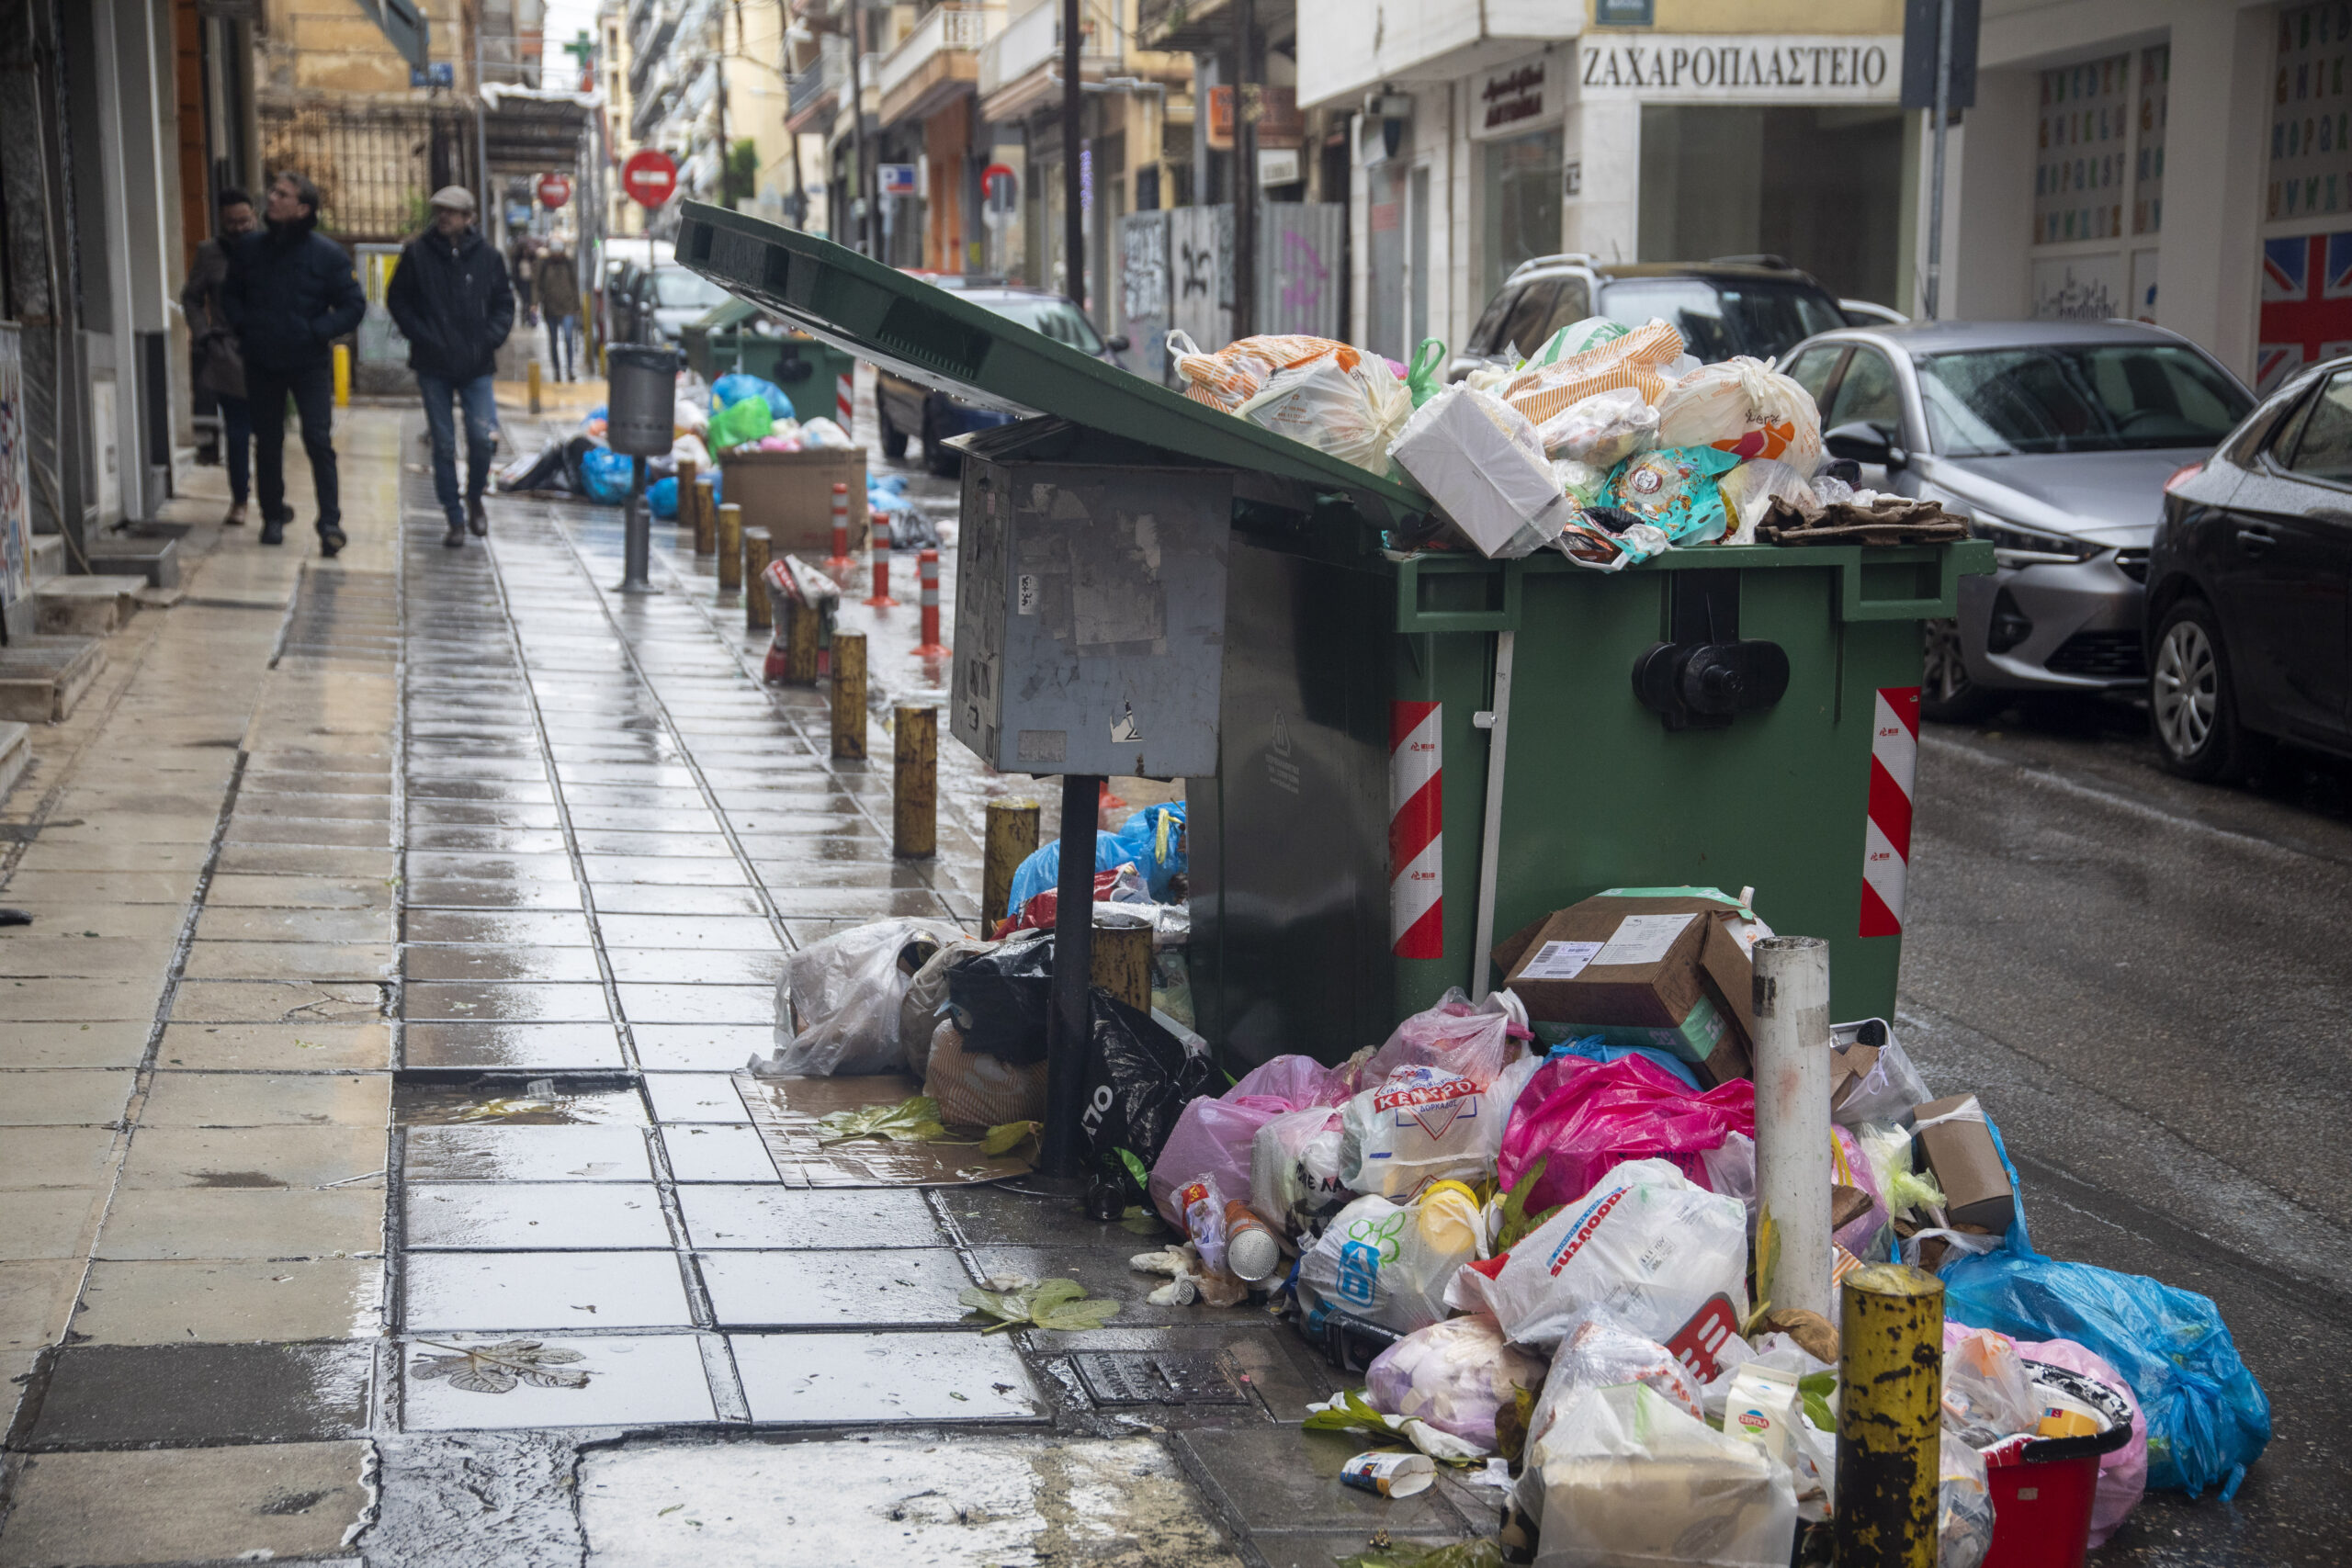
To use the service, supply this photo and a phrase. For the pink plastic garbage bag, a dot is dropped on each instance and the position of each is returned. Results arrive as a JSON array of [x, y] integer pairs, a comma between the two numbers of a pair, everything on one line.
[[1587, 1116], [1473, 1041], [1212, 1137], [2123, 1474]]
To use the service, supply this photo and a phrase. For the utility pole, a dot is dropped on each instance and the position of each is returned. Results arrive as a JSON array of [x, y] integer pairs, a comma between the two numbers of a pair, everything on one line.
[[1073, 175], [1246, 93], [864, 172], [1936, 182]]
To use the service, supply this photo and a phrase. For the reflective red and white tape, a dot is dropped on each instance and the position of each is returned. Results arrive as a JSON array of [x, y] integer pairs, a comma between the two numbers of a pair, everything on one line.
[[1886, 835], [844, 402], [1416, 849]]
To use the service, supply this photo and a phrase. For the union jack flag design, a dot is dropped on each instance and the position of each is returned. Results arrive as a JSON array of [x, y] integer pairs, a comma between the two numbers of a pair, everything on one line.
[[2306, 304]]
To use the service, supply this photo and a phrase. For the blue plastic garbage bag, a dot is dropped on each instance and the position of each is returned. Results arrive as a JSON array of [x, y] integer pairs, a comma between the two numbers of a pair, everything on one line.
[[1043, 869], [1595, 1049], [734, 387], [605, 473], [2208, 1418], [661, 495], [1155, 840]]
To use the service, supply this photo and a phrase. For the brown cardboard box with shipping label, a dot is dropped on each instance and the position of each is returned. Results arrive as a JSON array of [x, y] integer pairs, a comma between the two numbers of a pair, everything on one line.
[[1966, 1165], [1664, 956]]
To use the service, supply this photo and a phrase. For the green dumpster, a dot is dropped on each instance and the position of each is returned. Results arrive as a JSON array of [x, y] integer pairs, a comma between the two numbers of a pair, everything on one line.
[[1356, 851], [814, 375]]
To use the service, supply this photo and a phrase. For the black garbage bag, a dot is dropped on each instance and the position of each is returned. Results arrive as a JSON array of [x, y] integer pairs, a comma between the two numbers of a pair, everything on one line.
[[1002, 998], [1139, 1080]]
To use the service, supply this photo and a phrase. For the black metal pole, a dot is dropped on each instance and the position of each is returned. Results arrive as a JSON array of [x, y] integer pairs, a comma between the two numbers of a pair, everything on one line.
[[637, 534], [864, 184], [1063, 1150], [1246, 93], [1073, 183]]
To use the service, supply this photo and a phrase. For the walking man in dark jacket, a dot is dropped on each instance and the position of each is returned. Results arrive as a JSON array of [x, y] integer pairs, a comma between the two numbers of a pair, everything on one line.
[[219, 368], [451, 300], [290, 294], [555, 286]]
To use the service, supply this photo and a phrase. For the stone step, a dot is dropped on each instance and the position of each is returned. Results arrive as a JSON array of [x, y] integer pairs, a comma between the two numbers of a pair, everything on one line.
[[86, 607], [42, 677], [158, 561], [16, 754]]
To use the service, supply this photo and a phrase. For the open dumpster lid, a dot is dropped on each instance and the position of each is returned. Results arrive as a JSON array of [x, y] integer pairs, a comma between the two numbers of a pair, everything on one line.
[[929, 334]]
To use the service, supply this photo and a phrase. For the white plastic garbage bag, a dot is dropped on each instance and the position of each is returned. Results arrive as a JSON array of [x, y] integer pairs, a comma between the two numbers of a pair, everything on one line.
[[837, 1001], [1455, 1375], [1603, 429], [1743, 406], [1630, 1478], [1421, 1124], [1600, 1352], [1646, 1246], [1963, 1504], [1352, 413], [1297, 1174], [1389, 1263]]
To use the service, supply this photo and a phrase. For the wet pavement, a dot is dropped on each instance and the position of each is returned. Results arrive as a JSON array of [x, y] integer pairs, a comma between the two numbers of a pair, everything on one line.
[[374, 1187]]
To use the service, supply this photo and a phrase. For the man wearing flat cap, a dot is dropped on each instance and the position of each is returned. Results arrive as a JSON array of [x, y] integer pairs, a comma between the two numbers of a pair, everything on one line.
[[451, 300]]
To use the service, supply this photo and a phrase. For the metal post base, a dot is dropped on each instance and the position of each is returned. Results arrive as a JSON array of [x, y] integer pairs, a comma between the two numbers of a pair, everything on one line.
[[1070, 1022], [636, 534]]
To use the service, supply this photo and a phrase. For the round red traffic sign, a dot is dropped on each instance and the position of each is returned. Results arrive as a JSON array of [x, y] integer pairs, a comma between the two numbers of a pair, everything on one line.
[[650, 177], [554, 191]]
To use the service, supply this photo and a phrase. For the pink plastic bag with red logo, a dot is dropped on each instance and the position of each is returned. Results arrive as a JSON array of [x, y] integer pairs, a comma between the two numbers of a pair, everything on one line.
[[1587, 1116]]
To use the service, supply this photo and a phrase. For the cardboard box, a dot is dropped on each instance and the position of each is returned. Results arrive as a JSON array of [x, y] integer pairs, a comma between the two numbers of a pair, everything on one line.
[[1663, 972], [791, 495], [1966, 1166], [1848, 1069]]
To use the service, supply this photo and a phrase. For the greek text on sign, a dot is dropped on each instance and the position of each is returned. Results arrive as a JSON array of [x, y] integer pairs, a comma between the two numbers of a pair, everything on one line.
[[1703, 68]]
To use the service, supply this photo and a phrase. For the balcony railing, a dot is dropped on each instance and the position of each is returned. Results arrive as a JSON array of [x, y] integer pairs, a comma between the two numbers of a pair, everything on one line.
[[829, 71], [1031, 39], [945, 27]]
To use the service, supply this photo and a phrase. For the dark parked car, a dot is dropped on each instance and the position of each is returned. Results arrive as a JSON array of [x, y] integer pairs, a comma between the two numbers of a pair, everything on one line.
[[910, 409], [2054, 438], [2247, 584], [1752, 305]]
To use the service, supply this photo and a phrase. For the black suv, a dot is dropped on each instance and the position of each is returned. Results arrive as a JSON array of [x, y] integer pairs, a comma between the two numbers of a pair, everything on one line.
[[1758, 306]]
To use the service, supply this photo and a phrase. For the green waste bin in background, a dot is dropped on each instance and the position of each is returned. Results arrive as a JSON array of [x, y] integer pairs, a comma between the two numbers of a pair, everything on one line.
[[721, 341], [1337, 854]]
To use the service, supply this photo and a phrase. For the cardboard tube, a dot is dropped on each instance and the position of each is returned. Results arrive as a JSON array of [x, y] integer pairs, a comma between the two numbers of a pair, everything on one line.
[[914, 783], [1792, 1171], [1891, 1385], [1012, 839], [849, 697]]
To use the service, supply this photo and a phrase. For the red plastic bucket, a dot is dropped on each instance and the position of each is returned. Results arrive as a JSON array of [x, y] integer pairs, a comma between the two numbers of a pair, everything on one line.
[[2043, 1487]]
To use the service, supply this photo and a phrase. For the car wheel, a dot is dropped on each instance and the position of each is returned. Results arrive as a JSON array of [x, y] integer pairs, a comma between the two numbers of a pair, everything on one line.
[[936, 455], [894, 440], [1946, 693], [2191, 708]]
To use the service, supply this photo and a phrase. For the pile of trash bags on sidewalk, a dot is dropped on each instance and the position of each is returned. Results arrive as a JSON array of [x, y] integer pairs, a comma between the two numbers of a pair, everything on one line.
[[1532, 1225], [708, 419], [1611, 445]]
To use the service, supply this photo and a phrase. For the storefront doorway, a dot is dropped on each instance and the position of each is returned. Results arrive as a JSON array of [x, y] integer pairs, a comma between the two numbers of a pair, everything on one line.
[[1523, 203], [1822, 186]]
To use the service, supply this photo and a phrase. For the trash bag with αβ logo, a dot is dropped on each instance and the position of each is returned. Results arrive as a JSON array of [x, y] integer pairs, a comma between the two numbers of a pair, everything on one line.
[[1388, 1262], [1138, 1078]]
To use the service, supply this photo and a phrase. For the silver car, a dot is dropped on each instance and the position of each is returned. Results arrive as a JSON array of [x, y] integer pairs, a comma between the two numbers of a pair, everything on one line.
[[2055, 439]]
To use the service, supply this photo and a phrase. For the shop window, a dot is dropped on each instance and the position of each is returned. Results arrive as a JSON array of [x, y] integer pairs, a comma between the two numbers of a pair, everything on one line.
[[1523, 202], [2081, 147], [2311, 115], [2148, 161]]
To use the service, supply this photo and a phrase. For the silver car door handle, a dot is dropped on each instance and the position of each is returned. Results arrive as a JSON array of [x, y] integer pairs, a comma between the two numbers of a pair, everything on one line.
[[2256, 541]]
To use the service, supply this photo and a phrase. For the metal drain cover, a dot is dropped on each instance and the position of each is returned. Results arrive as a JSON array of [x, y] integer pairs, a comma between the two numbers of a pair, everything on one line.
[[1156, 1377]]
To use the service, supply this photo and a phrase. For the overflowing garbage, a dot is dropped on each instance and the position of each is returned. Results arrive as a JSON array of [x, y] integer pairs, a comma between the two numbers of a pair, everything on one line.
[[1608, 444], [1530, 1224], [708, 421]]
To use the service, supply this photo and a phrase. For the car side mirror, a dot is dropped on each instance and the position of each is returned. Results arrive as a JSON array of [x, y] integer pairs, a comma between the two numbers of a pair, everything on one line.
[[1116, 343], [1863, 442]]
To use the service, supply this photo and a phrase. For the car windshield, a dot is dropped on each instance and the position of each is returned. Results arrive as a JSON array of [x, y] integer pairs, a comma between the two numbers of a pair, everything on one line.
[[676, 287], [1058, 319], [1720, 320], [2075, 398]]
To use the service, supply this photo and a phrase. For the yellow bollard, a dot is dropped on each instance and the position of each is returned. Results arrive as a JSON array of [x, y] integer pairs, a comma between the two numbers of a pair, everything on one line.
[[1012, 839], [342, 375], [531, 375], [756, 551], [1120, 961], [730, 546], [1891, 1387], [802, 623], [686, 471], [914, 785], [849, 695], [705, 517]]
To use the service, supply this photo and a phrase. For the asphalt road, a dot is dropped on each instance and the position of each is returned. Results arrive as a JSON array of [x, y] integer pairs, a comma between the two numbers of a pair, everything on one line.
[[2147, 981]]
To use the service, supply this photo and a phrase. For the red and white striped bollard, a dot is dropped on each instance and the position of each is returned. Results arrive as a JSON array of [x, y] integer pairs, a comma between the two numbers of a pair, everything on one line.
[[1886, 833], [1416, 844], [927, 574], [837, 565], [877, 556]]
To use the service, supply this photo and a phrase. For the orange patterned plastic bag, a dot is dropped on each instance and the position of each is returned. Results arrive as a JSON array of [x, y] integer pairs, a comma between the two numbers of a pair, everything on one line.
[[1637, 360], [1238, 372]]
